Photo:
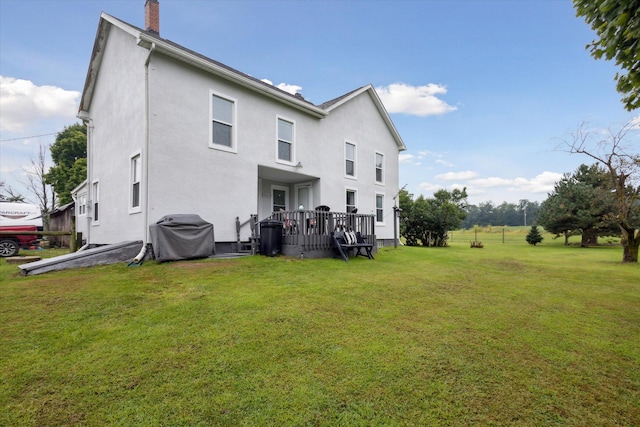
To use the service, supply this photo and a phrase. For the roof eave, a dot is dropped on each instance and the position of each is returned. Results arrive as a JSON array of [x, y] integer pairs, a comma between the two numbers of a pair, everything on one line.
[[378, 103], [94, 66], [146, 41]]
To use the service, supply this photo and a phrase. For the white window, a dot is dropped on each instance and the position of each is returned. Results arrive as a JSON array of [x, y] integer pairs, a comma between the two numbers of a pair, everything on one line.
[[136, 177], [222, 123], [96, 198], [379, 165], [350, 159], [379, 208], [351, 200], [285, 140], [82, 204]]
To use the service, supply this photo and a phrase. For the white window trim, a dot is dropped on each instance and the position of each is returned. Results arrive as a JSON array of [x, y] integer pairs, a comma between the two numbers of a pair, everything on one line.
[[286, 195], [376, 208], [375, 167], [355, 202], [355, 160], [135, 209], [95, 198], [292, 162], [234, 139], [82, 204]]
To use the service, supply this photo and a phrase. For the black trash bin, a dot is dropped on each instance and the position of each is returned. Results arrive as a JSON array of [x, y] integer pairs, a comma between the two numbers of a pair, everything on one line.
[[271, 237]]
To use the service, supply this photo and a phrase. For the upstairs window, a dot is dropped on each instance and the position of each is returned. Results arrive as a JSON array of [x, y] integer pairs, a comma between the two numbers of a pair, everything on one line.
[[222, 123], [82, 204], [379, 168], [285, 140], [350, 159]]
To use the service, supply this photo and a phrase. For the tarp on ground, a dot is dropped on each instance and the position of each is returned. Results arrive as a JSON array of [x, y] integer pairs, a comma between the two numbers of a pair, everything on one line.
[[182, 236]]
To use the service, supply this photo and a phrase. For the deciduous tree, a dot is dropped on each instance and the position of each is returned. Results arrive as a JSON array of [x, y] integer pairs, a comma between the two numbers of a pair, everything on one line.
[[609, 149], [617, 23], [428, 221], [69, 154]]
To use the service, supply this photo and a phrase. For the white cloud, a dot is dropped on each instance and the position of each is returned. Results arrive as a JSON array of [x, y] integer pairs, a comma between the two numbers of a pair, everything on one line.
[[406, 158], [23, 104], [542, 183], [444, 163], [492, 181], [453, 176], [414, 100], [494, 187], [429, 188], [292, 89]]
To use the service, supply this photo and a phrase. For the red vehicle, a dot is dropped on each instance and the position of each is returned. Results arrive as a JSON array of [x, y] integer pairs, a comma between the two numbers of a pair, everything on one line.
[[22, 218], [10, 244]]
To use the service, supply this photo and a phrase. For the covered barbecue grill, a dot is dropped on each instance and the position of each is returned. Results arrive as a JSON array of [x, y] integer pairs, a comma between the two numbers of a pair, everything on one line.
[[182, 236]]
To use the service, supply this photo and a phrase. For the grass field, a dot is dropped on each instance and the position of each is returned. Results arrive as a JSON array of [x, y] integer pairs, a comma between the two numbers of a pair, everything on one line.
[[509, 334]]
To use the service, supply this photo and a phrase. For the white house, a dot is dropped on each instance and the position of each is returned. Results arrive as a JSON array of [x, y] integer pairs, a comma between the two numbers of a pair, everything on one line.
[[172, 131]]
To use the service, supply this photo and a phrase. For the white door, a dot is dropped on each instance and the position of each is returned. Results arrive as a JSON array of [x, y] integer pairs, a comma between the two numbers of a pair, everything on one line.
[[279, 198], [304, 197]]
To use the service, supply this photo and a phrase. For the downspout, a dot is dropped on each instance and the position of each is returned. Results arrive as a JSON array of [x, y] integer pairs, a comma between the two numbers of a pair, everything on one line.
[[145, 208], [89, 122]]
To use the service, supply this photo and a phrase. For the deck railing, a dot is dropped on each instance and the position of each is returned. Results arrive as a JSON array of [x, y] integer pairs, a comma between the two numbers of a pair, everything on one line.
[[311, 230]]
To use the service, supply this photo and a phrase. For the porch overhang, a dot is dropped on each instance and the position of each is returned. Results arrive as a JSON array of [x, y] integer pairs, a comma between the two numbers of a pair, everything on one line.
[[284, 176]]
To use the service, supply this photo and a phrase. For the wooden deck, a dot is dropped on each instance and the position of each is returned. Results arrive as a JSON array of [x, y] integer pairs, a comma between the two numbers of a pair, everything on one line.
[[308, 233]]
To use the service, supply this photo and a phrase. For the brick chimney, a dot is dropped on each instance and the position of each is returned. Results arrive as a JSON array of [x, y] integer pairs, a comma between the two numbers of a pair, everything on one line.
[[152, 16]]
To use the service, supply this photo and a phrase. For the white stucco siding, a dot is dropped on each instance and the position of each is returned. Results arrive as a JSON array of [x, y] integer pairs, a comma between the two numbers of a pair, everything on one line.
[[359, 122], [186, 175], [116, 132]]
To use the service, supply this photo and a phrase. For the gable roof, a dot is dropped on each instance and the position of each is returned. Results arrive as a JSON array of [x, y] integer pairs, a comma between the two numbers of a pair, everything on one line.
[[155, 43], [341, 100]]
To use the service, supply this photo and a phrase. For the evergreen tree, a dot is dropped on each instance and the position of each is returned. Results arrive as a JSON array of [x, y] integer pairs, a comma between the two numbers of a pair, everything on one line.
[[534, 237]]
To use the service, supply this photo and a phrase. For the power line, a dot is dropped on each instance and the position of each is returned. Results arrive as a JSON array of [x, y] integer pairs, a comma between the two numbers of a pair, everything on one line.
[[29, 137]]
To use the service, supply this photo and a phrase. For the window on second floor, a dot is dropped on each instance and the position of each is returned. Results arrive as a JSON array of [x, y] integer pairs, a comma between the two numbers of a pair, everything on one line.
[[82, 204], [222, 123], [379, 168], [285, 140], [350, 159]]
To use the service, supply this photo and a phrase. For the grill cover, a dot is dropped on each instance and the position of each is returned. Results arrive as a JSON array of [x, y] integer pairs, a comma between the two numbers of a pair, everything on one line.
[[182, 236]]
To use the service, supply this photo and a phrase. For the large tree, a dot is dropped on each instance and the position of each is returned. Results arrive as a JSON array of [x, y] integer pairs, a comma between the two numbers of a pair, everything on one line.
[[581, 203], [427, 221], [617, 23], [610, 151], [36, 184], [69, 154]]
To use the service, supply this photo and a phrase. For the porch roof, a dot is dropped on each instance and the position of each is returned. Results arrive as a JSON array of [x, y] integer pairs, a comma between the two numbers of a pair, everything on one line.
[[283, 176]]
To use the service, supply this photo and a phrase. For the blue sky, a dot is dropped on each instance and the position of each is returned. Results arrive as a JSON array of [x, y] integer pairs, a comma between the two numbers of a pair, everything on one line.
[[481, 91]]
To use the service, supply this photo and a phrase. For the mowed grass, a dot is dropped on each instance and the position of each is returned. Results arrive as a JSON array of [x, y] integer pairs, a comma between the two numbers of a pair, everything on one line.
[[510, 334]]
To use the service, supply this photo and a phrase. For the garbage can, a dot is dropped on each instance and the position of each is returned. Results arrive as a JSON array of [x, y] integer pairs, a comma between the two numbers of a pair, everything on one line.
[[271, 237]]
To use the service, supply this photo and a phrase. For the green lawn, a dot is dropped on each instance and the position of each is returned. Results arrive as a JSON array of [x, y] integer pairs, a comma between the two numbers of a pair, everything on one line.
[[510, 334]]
